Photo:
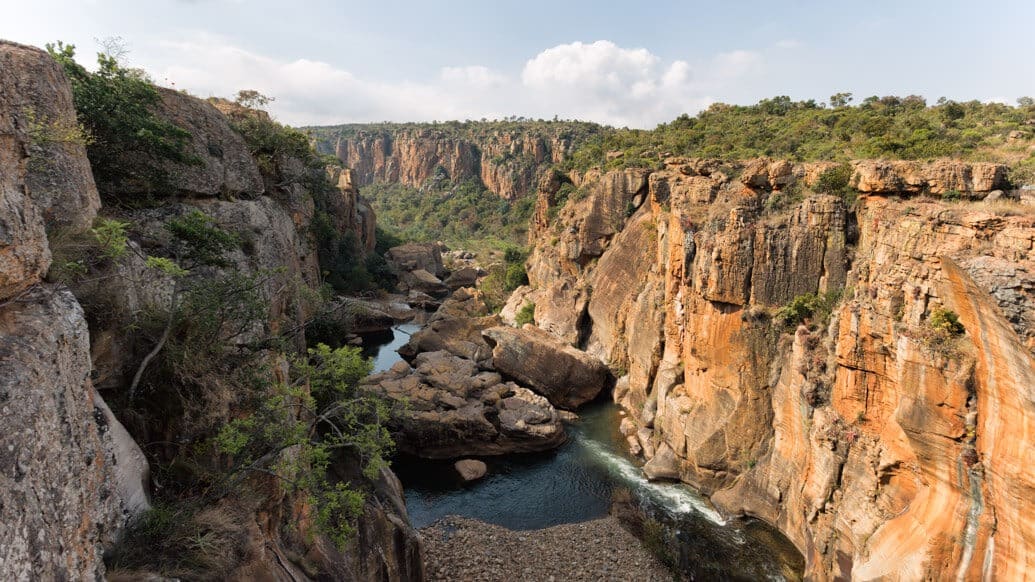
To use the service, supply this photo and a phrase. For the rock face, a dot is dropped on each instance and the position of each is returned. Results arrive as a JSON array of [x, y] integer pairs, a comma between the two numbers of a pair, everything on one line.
[[70, 477], [509, 163], [877, 446], [225, 167], [939, 177], [69, 480], [453, 410], [567, 377], [38, 113]]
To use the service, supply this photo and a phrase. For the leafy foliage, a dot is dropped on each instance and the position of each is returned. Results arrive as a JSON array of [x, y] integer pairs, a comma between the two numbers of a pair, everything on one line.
[[199, 242], [811, 308], [128, 143], [526, 314], [332, 418], [503, 278], [455, 214]]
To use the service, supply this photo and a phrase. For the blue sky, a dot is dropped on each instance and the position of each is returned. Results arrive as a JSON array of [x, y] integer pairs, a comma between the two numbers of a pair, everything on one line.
[[619, 63]]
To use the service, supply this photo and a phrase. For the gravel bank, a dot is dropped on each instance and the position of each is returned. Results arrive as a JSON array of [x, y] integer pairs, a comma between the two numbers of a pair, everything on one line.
[[462, 549]]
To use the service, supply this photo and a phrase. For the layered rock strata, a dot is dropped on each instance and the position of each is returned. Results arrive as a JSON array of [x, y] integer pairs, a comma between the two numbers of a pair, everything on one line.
[[876, 443]]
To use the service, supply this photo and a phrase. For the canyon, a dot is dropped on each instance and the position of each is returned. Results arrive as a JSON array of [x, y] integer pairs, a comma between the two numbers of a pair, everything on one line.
[[844, 351], [509, 160]]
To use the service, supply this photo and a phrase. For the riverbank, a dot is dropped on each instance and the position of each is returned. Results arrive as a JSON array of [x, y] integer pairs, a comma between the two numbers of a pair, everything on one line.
[[458, 548]]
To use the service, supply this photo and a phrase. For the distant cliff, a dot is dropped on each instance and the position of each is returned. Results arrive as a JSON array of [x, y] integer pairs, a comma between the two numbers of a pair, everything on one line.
[[508, 157]]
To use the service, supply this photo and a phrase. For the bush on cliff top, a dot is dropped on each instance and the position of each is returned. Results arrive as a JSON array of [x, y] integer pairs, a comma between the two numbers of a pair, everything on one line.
[[879, 127], [115, 105]]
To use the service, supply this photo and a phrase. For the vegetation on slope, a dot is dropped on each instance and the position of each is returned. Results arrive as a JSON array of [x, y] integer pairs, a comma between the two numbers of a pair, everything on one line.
[[221, 394], [115, 106], [878, 127]]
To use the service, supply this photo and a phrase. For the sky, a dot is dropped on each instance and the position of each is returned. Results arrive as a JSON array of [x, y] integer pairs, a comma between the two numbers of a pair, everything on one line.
[[620, 63]]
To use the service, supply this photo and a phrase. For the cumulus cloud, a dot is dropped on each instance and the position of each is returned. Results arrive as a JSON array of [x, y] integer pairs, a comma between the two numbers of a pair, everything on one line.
[[597, 81]]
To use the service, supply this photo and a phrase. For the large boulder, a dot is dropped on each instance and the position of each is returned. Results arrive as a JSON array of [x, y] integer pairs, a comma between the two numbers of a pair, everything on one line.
[[37, 113], [416, 256], [456, 327], [567, 377], [451, 409]]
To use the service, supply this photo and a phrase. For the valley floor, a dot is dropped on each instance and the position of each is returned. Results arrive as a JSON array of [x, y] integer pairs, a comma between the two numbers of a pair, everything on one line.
[[458, 548]]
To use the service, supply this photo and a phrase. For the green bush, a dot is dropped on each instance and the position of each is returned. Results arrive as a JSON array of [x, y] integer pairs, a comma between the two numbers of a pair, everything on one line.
[[128, 145], [525, 315], [947, 321], [836, 181], [808, 308]]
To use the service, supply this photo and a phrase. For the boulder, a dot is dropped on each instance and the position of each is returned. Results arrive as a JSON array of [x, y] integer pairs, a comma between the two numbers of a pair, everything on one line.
[[453, 409], [470, 469], [664, 465], [465, 277], [415, 256], [424, 282], [456, 327], [37, 118], [567, 377]]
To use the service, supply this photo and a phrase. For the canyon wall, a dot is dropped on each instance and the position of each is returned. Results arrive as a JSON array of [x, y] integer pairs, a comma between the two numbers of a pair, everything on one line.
[[70, 476], [509, 163], [72, 479], [883, 447]]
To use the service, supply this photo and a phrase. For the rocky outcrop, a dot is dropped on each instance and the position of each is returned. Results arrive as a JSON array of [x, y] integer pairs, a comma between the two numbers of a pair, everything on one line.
[[876, 444], [452, 409], [456, 327], [509, 163], [349, 211], [69, 477], [24, 253], [223, 166], [419, 267], [939, 177], [567, 377], [38, 114]]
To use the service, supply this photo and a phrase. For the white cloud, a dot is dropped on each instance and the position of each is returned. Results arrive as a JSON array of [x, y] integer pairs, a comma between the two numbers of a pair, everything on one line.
[[597, 81]]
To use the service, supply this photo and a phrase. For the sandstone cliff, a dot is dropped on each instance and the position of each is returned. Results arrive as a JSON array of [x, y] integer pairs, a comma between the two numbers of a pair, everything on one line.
[[510, 162], [878, 446]]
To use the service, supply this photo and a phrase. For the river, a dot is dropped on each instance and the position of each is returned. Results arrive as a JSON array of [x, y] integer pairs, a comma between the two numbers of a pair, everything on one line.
[[589, 477]]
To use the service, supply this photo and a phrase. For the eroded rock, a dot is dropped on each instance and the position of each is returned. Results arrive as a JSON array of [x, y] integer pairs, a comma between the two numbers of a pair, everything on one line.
[[567, 377]]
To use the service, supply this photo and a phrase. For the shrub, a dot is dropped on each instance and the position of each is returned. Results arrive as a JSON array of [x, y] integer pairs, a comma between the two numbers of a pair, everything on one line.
[[810, 307], [946, 320], [941, 333], [836, 181], [128, 144], [525, 315]]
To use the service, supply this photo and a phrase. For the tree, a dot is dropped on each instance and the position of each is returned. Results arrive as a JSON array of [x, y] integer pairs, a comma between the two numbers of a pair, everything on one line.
[[252, 99]]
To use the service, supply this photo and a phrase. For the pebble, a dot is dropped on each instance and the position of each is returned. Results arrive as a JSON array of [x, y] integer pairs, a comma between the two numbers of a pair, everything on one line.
[[596, 550]]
